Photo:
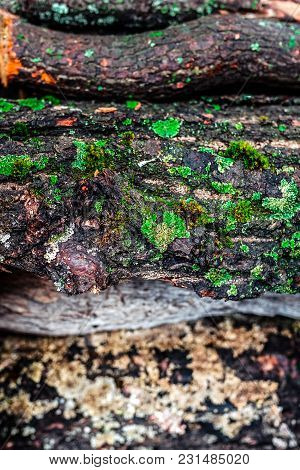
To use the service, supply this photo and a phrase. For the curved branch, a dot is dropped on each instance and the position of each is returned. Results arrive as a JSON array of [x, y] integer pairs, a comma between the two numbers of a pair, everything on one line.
[[137, 14], [181, 60]]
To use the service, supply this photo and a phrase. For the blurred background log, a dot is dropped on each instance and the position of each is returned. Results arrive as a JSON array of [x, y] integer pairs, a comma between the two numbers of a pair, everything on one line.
[[219, 383]]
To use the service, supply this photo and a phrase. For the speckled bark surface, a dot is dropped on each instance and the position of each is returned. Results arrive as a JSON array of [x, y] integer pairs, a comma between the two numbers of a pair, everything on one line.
[[181, 60], [218, 384], [203, 195], [101, 15]]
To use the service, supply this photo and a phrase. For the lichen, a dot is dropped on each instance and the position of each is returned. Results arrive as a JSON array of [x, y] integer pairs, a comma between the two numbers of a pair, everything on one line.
[[218, 277], [162, 234], [223, 188], [166, 128], [183, 171], [292, 244], [257, 272], [287, 206], [251, 158]]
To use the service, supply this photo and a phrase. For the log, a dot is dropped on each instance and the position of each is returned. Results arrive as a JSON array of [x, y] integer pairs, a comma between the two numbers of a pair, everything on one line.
[[203, 195], [32, 305], [217, 384], [183, 60], [131, 15]]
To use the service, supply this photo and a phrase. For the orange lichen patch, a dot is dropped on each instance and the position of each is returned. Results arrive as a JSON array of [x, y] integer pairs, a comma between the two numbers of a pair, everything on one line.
[[112, 109], [67, 122], [44, 77], [10, 65]]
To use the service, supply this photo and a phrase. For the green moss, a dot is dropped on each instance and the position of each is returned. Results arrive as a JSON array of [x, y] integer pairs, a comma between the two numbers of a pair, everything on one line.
[[162, 234], [183, 171], [255, 47], [218, 277], [92, 156], [256, 273], [89, 53], [287, 206], [20, 129], [223, 188], [20, 166], [169, 127], [243, 211], [232, 291], [223, 163], [194, 213], [244, 248], [33, 103], [282, 127], [131, 104], [5, 106], [292, 244], [252, 158], [272, 254], [99, 205]]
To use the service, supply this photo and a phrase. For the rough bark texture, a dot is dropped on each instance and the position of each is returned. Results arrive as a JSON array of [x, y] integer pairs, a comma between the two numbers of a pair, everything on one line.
[[138, 14], [185, 59], [92, 197], [221, 384], [29, 304]]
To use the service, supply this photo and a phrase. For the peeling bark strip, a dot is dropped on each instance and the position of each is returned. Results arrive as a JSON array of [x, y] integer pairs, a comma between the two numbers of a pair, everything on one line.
[[220, 384], [138, 14], [202, 195], [31, 305], [183, 59]]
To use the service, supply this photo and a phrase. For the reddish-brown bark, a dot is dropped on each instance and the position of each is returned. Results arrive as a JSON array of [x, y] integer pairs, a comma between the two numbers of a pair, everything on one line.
[[184, 59]]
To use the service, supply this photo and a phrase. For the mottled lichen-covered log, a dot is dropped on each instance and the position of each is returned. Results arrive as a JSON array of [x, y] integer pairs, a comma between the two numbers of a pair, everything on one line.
[[102, 15], [220, 384], [203, 195], [184, 59]]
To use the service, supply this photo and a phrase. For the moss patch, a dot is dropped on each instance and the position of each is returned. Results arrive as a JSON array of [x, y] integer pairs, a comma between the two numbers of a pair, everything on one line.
[[218, 277], [20, 166], [162, 234], [251, 158], [92, 156]]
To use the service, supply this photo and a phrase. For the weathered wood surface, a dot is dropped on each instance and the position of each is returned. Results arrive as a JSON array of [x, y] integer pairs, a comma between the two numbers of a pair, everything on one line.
[[93, 195], [29, 304], [220, 384], [182, 60]]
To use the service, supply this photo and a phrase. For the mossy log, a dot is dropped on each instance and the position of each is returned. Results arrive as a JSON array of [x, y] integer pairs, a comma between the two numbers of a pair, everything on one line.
[[184, 59], [201, 194], [125, 15], [220, 384]]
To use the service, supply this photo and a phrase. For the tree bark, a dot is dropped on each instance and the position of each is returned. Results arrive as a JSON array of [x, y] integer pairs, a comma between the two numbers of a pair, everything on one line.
[[31, 305], [181, 60], [137, 14], [220, 384], [93, 195]]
